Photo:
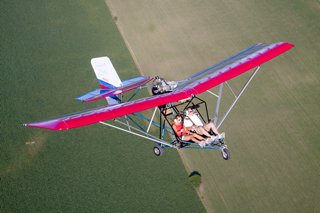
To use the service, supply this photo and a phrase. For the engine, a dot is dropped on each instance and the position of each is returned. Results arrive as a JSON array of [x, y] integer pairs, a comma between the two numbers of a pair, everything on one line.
[[160, 86]]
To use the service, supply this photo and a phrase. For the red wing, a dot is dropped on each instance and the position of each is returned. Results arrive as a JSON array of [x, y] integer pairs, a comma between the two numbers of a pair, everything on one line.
[[235, 65], [107, 112], [195, 84]]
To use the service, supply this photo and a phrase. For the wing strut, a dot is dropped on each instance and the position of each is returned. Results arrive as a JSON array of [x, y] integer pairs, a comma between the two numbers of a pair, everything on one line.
[[147, 136], [215, 120], [150, 123], [236, 99]]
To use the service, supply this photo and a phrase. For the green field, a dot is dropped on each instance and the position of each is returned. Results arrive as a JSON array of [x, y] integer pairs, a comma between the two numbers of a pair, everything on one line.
[[46, 47], [273, 132]]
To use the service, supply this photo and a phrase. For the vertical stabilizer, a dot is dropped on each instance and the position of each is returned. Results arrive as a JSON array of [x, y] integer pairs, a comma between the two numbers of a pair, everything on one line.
[[106, 74]]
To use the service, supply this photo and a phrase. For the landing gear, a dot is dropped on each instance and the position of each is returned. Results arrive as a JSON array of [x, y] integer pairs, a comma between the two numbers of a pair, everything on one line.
[[158, 150], [225, 154]]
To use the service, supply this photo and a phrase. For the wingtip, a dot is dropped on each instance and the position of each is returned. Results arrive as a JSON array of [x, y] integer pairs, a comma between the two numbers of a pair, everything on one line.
[[290, 44], [79, 99], [49, 124]]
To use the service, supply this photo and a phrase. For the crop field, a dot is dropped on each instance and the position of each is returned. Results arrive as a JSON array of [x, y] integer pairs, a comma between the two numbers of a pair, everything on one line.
[[46, 47], [273, 132]]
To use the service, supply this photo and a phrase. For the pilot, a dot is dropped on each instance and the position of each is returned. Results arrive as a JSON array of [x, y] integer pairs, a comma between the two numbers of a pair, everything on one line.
[[193, 122], [185, 134]]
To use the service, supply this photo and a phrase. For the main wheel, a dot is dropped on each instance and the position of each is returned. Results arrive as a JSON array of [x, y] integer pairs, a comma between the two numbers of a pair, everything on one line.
[[158, 150], [225, 154]]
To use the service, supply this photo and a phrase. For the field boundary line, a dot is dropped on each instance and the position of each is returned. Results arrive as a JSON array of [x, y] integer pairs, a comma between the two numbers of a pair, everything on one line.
[[109, 7]]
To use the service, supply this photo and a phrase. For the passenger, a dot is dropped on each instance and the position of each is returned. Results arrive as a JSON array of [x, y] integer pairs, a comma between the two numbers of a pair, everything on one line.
[[185, 134], [193, 122]]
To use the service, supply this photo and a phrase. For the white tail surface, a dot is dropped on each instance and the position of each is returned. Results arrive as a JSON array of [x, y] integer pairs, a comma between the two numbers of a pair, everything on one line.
[[107, 76], [105, 72]]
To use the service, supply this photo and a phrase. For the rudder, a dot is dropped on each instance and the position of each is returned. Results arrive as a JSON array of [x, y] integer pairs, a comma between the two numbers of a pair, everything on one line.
[[106, 74]]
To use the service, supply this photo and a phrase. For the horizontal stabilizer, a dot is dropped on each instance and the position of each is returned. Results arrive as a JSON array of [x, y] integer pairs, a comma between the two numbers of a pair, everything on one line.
[[134, 83], [95, 95], [127, 85]]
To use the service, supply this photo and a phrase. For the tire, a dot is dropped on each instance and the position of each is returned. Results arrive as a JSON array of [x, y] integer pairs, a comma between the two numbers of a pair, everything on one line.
[[225, 154], [158, 150]]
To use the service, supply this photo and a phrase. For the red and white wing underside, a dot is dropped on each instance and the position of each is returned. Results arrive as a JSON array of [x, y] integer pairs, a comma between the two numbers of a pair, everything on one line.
[[225, 70]]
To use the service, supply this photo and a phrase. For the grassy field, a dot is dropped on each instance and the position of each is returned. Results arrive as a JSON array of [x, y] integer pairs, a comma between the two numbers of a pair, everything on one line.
[[273, 132], [46, 47]]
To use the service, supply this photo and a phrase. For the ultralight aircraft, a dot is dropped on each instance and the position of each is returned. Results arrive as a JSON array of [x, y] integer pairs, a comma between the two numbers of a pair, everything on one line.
[[169, 98]]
